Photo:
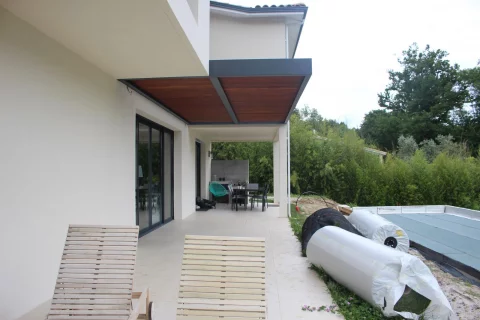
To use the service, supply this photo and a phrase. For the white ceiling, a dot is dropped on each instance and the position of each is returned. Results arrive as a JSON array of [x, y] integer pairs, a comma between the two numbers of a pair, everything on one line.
[[232, 133], [124, 38]]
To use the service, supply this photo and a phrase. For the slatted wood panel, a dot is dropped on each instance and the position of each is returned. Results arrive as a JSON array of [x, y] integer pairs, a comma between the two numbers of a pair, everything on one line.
[[262, 99], [222, 278], [194, 99], [95, 279]]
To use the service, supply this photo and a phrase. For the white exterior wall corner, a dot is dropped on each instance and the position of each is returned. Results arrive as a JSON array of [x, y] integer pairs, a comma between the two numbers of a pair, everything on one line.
[[196, 29], [281, 173], [68, 156], [237, 38]]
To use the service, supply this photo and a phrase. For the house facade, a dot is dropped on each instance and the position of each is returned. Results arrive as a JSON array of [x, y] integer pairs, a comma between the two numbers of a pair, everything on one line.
[[107, 117]]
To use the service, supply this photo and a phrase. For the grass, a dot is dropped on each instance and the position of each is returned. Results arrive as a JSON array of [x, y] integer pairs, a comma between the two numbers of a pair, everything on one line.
[[351, 306]]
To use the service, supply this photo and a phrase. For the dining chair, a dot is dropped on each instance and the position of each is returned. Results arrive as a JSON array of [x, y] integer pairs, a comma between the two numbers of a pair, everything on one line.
[[263, 197]]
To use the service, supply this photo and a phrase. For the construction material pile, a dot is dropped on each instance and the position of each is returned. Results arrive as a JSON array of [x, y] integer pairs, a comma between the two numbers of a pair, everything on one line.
[[371, 260]]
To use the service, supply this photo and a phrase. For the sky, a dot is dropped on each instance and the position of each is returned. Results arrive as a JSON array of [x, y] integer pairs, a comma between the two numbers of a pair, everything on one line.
[[354, 43]]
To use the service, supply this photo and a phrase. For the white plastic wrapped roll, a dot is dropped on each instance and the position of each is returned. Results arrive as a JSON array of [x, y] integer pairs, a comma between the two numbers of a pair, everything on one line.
[[376, 272], [379, 229]]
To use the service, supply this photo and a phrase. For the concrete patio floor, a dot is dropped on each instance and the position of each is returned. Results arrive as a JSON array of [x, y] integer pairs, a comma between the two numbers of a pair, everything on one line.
[[289, 281]]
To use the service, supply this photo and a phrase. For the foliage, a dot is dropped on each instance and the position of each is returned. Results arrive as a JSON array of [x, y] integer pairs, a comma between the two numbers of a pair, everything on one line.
[[259, 154], [406, 147], [426, 98], [445, 144], [336, 165], [351, 306]]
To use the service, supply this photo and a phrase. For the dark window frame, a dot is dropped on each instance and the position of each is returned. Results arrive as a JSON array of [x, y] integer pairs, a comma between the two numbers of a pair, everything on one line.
[[153, 125]]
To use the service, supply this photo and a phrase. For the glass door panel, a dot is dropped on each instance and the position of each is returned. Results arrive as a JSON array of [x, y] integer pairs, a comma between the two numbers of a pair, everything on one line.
[[168, 175], [143, 216], [156, 181]]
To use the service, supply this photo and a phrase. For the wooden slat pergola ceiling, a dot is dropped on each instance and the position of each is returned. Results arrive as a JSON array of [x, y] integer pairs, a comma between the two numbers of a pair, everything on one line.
[[263, 91], [222, 278]]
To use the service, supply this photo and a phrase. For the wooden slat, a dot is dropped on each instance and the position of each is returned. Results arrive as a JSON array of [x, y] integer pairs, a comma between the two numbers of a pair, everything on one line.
[[223, 274], [187, 261], [197, 237], [99, 256], [83, 234], [95, 271], [91, 301], [94, 286], [69, 305], [180, 317], [90, 317], [92, 296], [94, 291], [224, 253], [86, 312], [87, 238], [105, 251], [221, 268], [222, 307], [256, 289], [225, 243], [227, 296], [101, 230], [223, 248], [95, 266], [93, 281], [223, 313], [100, 261], [95, 276], [131, 244], [223, 302], [221, 279], [222, 258]]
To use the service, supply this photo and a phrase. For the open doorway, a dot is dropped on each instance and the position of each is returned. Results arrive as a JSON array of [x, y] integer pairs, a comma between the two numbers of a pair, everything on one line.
[[198, 166]]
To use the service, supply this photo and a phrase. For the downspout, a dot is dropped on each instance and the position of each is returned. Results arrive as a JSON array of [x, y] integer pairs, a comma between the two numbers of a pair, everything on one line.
[[288, 170], [286, 40], [288, 133]]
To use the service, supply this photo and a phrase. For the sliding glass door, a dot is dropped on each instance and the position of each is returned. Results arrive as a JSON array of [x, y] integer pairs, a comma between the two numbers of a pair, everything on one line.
[[154, 183]]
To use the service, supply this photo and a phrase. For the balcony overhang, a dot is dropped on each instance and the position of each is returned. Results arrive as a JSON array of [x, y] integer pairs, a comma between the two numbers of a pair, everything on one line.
[[263, 91]]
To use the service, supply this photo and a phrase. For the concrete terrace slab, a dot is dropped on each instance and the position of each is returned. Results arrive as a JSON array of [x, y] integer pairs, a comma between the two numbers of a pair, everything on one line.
[[289, 281], [453, 236]]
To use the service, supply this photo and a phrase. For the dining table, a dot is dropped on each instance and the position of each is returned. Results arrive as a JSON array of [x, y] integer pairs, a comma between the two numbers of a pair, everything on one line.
[[249, 191]]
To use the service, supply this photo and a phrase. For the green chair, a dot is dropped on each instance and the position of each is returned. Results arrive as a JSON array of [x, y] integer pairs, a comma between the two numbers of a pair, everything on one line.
[[217, 190]]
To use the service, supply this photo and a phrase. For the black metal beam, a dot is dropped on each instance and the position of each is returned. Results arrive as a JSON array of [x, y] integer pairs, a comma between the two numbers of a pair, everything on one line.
[[223, 96], [260, 67], [240, 124], [297, 97], [152, 99]]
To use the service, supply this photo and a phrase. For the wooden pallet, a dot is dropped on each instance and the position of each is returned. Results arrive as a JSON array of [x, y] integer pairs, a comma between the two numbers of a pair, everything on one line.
[[95, 278], [222, 278]]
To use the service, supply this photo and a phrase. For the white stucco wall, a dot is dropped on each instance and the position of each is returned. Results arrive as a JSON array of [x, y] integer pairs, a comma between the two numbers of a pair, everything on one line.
[[67, 152], [246, 38], [195, 24]]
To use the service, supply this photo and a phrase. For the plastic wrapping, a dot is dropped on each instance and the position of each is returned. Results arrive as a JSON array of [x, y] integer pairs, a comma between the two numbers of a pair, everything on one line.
[[377, 273], [379, 229]]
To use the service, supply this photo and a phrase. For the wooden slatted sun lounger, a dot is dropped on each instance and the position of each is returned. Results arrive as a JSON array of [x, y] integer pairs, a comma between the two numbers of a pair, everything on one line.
[[95, 279], [222, 278]]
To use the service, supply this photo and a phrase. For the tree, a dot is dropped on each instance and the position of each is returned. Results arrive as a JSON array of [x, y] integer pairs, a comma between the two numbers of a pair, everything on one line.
[[422, 97], [466, 125], [381, 128]]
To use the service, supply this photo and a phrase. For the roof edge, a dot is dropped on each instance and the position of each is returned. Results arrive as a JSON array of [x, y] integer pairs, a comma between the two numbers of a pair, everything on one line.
[[258, 9]]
